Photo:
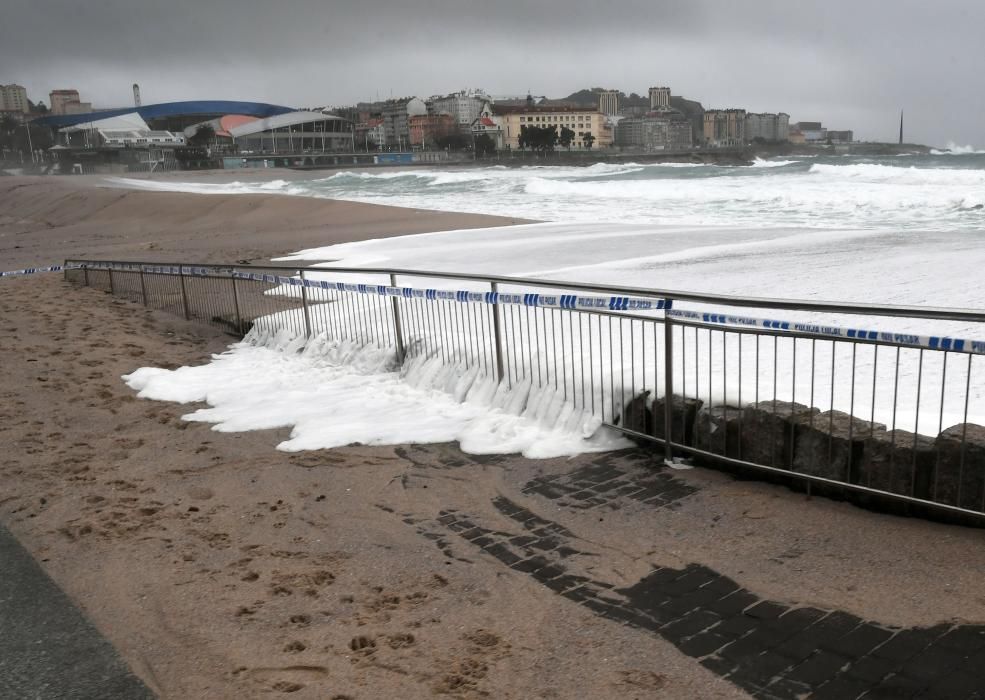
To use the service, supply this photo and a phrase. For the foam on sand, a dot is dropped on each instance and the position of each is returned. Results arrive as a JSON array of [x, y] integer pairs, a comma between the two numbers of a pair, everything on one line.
[[332, 394]]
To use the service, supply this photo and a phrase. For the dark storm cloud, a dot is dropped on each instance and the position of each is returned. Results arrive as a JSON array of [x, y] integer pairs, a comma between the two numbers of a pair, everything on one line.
[[851, 64]]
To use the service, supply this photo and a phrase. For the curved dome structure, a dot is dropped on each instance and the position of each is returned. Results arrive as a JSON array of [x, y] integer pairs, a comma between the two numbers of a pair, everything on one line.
[[294, 132], [176, 115]]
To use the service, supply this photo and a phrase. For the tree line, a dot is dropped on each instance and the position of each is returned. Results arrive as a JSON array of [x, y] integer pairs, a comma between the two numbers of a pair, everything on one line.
[[547, 138]]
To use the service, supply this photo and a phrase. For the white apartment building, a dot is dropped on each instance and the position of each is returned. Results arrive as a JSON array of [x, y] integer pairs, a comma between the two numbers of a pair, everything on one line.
[[13, 98], [464, 107]]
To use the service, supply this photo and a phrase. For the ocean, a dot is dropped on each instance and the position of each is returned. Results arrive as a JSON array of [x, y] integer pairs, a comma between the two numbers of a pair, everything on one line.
[[941, 191], [895, 230]]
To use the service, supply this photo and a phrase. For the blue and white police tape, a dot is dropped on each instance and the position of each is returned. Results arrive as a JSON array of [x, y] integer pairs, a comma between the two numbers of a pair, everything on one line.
[[928, 342], [31, 271], [569, 301], [557, 301]]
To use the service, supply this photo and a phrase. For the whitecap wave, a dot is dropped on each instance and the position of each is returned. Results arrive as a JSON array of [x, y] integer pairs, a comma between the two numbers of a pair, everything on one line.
[[761, 163], [953, 149], [823, 193]]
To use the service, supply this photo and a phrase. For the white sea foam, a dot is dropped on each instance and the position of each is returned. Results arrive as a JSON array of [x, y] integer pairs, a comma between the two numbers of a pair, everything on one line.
[[332, 394], [953, 149], [761, 163]]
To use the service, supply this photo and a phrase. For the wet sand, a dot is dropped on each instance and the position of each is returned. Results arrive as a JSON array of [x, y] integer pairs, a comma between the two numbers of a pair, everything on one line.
[[221, 568], [44, 220]]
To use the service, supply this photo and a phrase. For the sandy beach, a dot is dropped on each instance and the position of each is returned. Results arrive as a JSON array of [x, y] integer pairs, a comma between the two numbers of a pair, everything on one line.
[[222, 568]]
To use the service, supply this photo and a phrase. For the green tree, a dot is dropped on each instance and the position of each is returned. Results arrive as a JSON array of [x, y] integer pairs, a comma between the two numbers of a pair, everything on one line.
[[8, 125], [588, 140], [203, 136], [484, 145], [538, 138], [453, 142], [523, 140], [567, 136]]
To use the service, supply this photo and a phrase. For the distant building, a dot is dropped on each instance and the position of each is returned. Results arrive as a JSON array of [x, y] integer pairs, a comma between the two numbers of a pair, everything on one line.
[[807, 126], [13, 98], [396, 120], [425, 129], [77, 108], [370, 134], [725, 127], [517, 100], [609, 102], [58, 99], [295, 132], [582, 121], [491, 125], [767, 126], [809, 132], [463, 106], [119, 143], [841, 137], [659, 97], [654, 132]]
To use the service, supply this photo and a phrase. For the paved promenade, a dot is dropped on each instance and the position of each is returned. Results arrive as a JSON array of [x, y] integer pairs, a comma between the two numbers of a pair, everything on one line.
[[47, 647]]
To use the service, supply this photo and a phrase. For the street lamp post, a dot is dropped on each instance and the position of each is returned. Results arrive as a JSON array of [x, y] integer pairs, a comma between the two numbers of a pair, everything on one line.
[[30, 144]]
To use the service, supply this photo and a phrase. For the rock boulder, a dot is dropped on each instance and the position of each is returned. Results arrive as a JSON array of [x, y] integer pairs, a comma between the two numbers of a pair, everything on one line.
[[719, 430], [831, 444], [961, 469], [899, 462], [768, 432]]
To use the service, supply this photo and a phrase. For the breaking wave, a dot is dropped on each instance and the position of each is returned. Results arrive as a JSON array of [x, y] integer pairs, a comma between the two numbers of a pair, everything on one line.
[[928, 192]]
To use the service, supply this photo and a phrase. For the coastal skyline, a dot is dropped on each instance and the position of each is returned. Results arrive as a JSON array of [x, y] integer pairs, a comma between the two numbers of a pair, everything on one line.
[[850, 65]]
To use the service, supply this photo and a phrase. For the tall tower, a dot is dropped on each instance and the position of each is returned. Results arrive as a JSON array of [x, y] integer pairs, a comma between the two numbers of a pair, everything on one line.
[[136, 95], [659, 97], [609, 102]]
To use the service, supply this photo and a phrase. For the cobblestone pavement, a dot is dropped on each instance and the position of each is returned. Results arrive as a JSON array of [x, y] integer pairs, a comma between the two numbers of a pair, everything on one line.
[[770, 650]]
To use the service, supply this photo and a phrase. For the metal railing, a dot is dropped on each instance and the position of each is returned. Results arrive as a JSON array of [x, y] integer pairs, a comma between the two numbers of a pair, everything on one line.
[[869, 412]]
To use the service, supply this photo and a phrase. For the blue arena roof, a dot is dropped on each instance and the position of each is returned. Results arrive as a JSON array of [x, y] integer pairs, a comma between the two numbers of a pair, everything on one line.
[[170, 109]]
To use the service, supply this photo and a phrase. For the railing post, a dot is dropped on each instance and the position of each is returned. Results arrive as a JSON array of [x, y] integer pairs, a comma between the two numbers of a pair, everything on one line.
[[497, 333], [143, 287], [239, 318], [397, 325], [112, 291], [85, 274], [668, 382], [304, 306], [184, 293]]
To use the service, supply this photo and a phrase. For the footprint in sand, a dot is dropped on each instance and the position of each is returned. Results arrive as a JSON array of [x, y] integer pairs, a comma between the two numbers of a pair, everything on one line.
[[288, 679]]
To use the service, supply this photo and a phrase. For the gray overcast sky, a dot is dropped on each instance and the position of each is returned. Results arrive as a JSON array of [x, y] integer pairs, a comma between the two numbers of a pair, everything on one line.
[[848, 63]]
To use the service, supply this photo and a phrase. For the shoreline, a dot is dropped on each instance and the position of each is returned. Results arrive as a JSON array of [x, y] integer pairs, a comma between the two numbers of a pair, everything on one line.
[[45, 220]]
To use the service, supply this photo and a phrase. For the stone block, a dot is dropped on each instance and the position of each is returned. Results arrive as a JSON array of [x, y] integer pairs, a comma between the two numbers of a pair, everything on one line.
[[682, 416], [898, 462], [637, 414], [960, 477], [768, 431], [831, 444], [718, 430]]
